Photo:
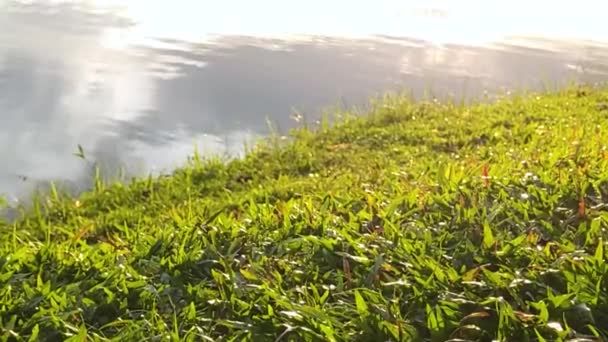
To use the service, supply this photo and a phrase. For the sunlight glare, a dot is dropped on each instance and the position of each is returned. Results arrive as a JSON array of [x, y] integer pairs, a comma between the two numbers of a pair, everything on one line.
[[438, 21]]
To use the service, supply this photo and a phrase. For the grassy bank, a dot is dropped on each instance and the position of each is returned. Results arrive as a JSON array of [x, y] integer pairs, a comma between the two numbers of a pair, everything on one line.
[[422, 221]]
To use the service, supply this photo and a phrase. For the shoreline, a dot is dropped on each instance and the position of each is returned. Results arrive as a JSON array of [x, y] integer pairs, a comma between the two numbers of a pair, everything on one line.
[[418, 221]]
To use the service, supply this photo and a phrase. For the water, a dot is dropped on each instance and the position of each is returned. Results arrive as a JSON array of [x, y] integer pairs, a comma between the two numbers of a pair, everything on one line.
[[139, 83]]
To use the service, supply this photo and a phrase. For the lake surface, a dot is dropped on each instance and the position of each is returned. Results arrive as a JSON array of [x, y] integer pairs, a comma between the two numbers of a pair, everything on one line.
[[139, 83]]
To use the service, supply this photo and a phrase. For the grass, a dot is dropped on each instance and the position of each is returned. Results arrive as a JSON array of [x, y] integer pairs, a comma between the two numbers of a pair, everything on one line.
[[419, 222]]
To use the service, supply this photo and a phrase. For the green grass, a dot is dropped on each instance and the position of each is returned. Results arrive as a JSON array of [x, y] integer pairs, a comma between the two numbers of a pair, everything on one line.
[[420, 222]]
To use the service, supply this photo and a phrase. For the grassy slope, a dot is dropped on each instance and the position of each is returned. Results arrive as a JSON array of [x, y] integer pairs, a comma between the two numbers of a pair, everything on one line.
[[381, 228]]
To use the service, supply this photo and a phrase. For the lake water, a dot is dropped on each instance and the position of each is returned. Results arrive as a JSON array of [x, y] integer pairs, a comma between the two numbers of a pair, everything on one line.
[[139, 83]]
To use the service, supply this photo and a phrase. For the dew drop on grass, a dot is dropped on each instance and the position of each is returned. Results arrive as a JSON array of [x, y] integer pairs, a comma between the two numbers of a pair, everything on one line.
[[555, 326]]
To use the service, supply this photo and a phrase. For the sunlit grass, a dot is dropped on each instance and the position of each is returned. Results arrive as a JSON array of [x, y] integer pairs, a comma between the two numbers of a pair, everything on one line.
[[421, 221]]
